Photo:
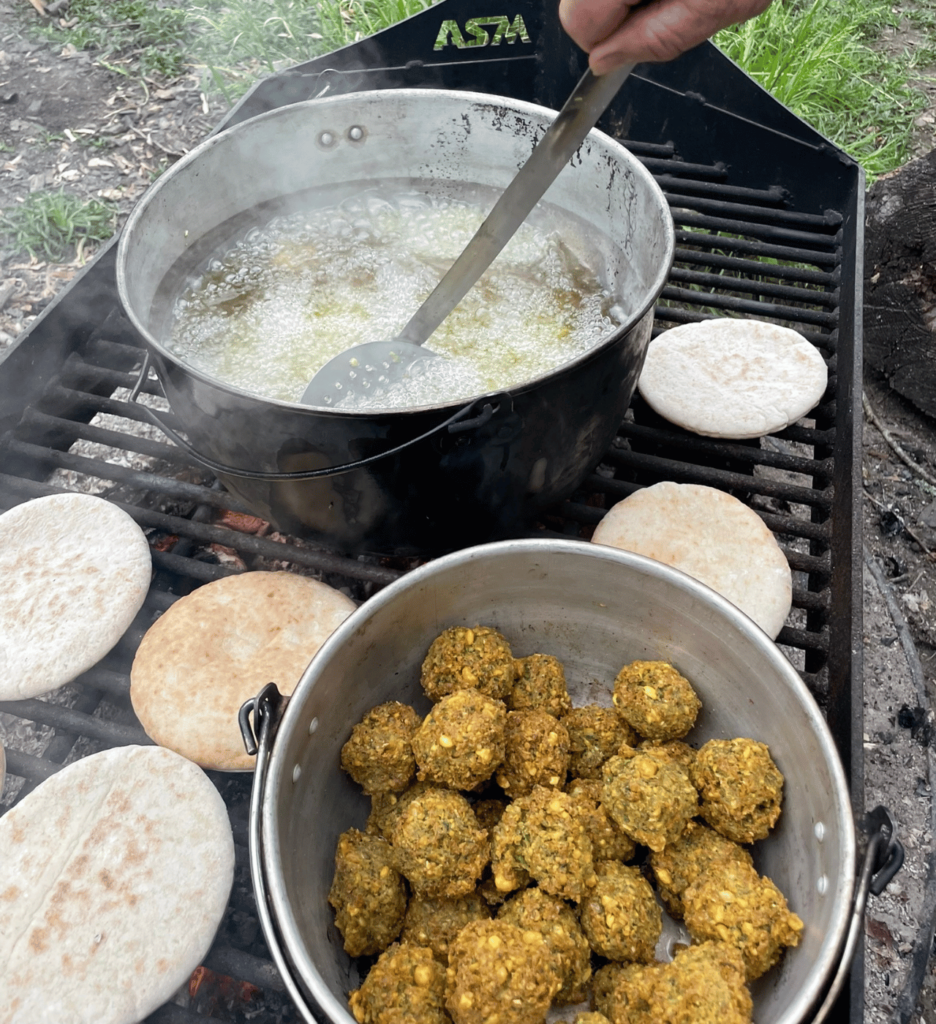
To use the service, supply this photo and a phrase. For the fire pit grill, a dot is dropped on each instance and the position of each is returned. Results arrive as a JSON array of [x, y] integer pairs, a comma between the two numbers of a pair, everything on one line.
[[768, 223]]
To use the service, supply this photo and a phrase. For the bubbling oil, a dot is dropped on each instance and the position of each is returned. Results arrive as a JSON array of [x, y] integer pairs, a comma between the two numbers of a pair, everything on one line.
[[309, 284]]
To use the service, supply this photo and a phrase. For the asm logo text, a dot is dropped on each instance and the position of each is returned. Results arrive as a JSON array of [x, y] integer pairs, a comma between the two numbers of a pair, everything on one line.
[[477, 33]]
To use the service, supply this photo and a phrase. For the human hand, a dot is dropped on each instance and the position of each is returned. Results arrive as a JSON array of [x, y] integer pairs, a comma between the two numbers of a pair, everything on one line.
[[612, 33]]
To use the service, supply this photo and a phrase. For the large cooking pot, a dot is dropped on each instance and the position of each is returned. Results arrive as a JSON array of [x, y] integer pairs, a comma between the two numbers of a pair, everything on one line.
[[596, 609], [412, 481]]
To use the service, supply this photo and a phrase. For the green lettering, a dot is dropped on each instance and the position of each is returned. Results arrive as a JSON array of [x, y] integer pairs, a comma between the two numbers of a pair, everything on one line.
[[473, 28], [517, 30], [449, 34], [505, 30]]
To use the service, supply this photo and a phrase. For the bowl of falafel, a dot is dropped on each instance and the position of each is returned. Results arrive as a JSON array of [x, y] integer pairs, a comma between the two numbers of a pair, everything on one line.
[[542, 780]]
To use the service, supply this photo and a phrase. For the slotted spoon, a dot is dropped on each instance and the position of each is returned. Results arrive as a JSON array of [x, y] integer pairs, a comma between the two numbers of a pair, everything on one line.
[[381, 364]]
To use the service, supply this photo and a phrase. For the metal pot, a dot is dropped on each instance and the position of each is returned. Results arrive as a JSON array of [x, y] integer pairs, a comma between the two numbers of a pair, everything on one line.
[[596, 609], [411, 481]]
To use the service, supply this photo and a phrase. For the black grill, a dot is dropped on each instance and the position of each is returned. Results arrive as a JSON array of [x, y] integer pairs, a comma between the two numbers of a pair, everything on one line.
[[768, 224]]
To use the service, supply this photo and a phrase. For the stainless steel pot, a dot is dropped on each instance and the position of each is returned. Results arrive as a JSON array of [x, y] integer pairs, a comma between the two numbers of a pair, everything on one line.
[[424, 480], [596, 609]]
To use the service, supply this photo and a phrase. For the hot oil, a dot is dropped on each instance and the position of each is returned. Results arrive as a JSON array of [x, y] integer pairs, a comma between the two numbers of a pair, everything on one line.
[[276, 305]]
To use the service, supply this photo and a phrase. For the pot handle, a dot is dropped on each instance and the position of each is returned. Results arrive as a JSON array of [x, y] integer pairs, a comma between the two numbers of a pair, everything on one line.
[[884, 857], [483, 409], [267, 710]]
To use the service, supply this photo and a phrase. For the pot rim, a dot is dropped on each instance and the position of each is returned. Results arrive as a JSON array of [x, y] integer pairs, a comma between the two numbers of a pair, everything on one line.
[[841, 889], [482, 99]]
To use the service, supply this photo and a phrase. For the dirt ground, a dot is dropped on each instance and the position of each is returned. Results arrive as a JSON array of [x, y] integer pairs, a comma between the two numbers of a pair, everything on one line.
[[67, 123]]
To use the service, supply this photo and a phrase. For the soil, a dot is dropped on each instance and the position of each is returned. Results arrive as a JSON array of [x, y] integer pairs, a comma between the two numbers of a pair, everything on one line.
[[66, 122]]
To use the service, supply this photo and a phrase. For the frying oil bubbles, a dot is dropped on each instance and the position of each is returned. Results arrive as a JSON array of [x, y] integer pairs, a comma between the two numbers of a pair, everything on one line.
[[290, 295]]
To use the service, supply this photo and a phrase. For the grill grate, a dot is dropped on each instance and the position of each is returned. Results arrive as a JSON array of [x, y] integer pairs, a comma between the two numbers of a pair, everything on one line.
[[746, 246]]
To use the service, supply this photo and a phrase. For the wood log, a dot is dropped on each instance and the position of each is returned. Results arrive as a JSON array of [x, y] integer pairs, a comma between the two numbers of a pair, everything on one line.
[[900, 281]]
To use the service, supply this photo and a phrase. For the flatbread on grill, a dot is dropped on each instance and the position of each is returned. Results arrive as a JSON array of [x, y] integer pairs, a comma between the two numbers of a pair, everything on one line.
[[219, 646], [732, 378], [712, 537], [114, 877], [74, 571]]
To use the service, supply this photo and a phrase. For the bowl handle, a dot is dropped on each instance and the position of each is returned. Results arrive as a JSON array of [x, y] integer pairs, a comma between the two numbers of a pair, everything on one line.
[[884, 856], [267, 709], [475, 414]]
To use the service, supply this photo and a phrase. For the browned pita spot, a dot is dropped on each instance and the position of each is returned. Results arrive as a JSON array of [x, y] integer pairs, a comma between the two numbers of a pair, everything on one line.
[[74, 571], [712, 537], [218, 647], [97, 926]]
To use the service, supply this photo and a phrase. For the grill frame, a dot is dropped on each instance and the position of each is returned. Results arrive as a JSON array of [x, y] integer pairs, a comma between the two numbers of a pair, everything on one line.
[[65, 368]]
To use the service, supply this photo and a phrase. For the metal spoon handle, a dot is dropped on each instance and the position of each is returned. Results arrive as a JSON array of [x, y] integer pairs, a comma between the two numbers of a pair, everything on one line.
[[581, 111]]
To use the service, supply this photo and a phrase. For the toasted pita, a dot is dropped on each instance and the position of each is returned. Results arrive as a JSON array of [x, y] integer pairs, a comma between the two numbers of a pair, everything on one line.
[[711, 536], [732, 378], [219, 646], [74, 571], [114, 876]]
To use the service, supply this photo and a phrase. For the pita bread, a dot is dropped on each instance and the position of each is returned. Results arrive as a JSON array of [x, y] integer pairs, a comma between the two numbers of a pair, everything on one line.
[[74, 571], [218, 647], [712, 537], [732, 378], [114, 876]]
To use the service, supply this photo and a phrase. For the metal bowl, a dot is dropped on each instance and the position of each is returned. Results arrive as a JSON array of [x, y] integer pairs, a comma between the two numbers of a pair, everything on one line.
[[596, 609]]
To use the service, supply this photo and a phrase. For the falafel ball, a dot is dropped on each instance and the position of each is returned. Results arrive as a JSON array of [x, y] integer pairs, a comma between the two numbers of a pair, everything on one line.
[[738, 906], [536, 752], [460, 658], [656, 700], [540, 683], [595, 734], [703, 984], [649, 797], [741, 788], [621, 991], [378, 755], [556, 921], [405, 986], [499, 972], [541, 837], [608, 841], [438, 844], [434, 922], [620, 915], [367, 893], [387, 807], [461, 741], [699, 849], [670, 750]]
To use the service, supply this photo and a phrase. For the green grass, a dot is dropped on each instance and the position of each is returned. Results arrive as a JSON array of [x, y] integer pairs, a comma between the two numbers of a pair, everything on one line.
[[57, 226], [816, 56], [236, 41], [817, 59], [232, 42], [145, 35], [922, 17]]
